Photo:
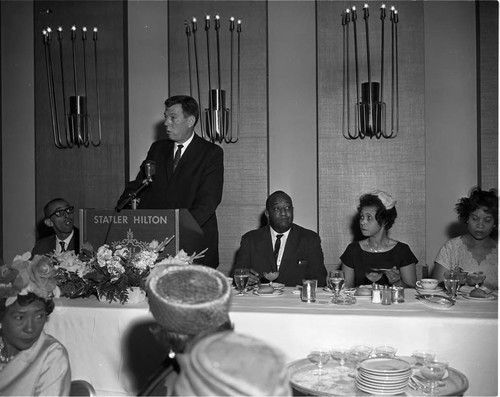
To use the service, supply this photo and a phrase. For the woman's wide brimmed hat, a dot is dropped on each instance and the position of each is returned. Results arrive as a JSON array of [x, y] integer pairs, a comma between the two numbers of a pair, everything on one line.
[[232, 364], [188, 299]]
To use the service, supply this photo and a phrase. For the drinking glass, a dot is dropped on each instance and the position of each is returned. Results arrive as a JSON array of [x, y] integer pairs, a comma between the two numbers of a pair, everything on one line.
[[373, 276], [422, 355], [320, 357], [451, 283], [271, 276], [358, 354], [433, 370], [384, 351], [336, 281], [241, 277], [340, 354]]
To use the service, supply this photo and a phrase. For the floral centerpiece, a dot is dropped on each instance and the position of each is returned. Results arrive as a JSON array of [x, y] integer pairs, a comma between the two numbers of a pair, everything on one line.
[[24, 275], [111, 273]]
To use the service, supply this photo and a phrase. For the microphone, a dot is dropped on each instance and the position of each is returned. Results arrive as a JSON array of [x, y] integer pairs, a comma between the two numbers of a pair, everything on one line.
[[149, 171]]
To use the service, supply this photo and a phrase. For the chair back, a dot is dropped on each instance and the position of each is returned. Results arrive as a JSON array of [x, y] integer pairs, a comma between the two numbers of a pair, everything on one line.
[[81, 388]]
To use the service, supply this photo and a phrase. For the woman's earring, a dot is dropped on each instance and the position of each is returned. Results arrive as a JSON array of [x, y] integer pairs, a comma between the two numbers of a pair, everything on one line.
[[171, 354]]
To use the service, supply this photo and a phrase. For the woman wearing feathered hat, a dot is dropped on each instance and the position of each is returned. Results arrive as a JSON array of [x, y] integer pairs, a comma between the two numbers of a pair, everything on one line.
[[392, 259], [31, 362]]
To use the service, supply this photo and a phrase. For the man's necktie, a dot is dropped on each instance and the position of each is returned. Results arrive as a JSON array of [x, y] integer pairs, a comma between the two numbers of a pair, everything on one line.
[[277, 246], [63, 246], [177, 156]]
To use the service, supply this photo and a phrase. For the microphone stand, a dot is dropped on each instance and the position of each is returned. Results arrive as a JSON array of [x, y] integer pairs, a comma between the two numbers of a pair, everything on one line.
[[145, 183]]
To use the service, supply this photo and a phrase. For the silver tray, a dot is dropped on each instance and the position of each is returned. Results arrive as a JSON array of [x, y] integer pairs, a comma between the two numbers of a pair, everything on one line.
[[436, 301], [456, 383]]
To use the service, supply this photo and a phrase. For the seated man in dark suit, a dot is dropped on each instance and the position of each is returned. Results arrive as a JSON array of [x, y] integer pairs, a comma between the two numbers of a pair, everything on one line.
[[297, 252], [58, 216]]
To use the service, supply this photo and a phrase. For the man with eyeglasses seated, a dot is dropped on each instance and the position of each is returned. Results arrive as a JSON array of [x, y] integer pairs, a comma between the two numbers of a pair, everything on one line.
[[58, 216], [282, 246]]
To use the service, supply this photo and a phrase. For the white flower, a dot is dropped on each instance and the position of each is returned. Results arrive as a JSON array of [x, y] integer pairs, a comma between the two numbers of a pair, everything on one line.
[[104, 254], [386, 199]]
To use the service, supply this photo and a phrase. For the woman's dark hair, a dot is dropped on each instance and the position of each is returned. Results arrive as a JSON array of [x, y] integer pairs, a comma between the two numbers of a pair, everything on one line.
[[478, 199], [25, 300], [383, 215]]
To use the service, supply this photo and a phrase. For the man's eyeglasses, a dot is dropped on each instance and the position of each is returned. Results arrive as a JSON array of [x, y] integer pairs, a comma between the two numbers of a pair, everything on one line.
[[60, 213]]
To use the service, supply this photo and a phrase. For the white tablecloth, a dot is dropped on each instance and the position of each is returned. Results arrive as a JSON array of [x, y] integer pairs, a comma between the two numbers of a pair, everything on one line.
[[111, 347]]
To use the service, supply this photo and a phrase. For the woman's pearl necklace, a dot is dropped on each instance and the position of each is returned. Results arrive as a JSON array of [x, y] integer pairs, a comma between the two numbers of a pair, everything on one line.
[[381, 248], [4, 359]]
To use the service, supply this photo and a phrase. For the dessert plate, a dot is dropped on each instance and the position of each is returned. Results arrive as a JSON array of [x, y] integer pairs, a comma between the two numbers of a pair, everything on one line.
[[276, 292], [487, 298], [275, 285]]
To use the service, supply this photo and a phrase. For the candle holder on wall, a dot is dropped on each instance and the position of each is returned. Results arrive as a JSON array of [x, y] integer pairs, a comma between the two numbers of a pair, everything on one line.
[[77, 130], [366, 117], [220, 121]]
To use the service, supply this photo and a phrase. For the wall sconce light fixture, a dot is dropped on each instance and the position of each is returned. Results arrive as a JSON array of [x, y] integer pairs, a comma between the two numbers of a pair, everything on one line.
[[219, 122], [366, 117], [77, 122]]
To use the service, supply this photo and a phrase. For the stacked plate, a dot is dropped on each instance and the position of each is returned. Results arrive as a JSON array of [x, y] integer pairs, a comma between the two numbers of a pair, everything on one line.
[[383, 376]]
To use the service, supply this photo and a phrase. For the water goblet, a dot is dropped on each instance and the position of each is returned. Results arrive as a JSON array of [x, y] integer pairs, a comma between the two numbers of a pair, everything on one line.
[[241, 277], [451, 283], [271, 276], [433, 370], [320, 357], [336, 281], [340, 354], [373, 276]]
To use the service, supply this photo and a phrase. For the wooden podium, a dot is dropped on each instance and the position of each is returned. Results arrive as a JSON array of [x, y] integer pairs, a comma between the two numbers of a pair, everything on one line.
[[135, 229]]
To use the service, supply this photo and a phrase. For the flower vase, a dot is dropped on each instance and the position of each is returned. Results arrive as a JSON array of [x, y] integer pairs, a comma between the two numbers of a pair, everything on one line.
[[136, 295]]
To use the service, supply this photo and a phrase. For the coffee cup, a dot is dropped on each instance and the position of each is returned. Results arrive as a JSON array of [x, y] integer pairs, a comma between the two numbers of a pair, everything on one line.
[[427, 283]]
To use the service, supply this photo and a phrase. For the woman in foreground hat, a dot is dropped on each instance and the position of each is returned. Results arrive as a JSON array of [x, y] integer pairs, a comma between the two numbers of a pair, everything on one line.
[[32, 363], [231, 364], [378, 253], [189, 302]]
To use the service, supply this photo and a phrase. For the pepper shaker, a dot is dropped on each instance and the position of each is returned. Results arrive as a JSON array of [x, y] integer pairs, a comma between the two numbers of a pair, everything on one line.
[[386, 296]]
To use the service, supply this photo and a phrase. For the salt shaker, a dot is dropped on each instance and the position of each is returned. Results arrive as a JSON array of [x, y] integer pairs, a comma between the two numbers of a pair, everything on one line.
[[376, 294], [386, 296]]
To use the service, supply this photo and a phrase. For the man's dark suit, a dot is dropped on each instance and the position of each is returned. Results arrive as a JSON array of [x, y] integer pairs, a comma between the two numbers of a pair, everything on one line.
[[302, 258], [47, 244], [196, 185]]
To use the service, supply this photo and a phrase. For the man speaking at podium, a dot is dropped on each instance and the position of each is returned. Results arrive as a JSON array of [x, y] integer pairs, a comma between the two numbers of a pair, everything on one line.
[[189, 173]]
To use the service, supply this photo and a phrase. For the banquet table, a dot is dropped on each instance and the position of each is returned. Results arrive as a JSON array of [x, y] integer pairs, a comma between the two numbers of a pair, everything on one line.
[[110, 344]]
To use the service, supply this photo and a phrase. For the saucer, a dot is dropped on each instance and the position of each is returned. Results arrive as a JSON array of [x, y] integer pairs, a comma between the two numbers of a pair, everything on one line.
[[275, 285], [276, 292], [429, 291]]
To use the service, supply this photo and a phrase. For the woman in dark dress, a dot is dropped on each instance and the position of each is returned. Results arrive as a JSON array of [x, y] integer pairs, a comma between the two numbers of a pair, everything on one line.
[[378, 253]]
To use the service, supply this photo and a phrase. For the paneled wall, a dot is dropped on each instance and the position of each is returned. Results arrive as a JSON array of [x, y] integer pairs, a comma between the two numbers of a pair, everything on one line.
[[487, 30], [86, 176], [349, 168], [245, 162]]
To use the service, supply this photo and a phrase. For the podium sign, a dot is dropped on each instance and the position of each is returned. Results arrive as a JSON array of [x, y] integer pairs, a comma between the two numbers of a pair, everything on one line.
[[135, 229]]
